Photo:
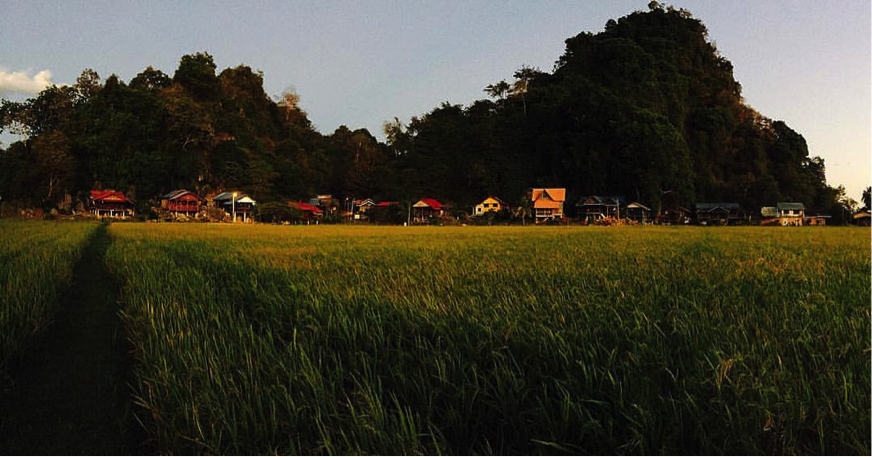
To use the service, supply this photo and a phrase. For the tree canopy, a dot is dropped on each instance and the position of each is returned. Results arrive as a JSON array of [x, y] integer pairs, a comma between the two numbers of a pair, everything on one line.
[[646, 108]]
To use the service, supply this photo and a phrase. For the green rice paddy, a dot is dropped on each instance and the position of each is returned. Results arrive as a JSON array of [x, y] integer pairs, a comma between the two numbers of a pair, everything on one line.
[[392, 340], [36, 265]]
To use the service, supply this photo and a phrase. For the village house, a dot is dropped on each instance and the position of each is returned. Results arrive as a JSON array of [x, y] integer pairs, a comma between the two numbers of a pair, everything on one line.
[[677, 215], [426, 209], [548, 204], [638, 212], [862, 218], [236, 204], [361, 207], [181, 202], [783, 214], [110, 203], [597, 207], [308, 212], [719, 213], [489, 204]]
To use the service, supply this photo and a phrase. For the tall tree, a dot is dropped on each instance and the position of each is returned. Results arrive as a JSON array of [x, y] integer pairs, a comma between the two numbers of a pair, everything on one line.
[[867, 198]]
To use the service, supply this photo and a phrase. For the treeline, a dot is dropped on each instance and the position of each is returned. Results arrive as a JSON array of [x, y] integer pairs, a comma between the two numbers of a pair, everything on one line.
[[197, 129], [647, 109]]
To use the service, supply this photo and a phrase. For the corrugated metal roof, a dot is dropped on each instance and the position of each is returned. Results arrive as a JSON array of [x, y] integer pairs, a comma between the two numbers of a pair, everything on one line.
[[713, 206], [180, 193], [790, 206], [610, 200], [556, 194], [302, 206], [546, 204], [109, 195], [768, 211], [428, 202]]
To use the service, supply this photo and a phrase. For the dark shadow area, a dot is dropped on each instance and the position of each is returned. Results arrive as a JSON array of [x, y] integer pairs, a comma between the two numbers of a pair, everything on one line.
[[70, 391]]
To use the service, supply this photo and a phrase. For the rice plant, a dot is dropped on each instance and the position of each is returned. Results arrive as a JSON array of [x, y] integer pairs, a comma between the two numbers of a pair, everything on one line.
[[36, 266], [343, 340]]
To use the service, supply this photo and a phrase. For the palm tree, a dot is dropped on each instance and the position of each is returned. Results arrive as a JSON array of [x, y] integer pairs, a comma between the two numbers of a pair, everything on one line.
[[498, 90], [523, 77], [867, 198]]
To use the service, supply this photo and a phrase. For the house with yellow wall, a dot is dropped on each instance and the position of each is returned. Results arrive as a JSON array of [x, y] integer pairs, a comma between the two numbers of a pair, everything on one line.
[[489, 204]]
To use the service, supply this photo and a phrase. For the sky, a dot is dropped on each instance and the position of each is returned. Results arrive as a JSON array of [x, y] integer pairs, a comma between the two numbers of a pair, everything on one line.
[[361, 63]]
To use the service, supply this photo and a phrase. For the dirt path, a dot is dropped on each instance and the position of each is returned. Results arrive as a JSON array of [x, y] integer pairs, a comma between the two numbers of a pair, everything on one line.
[[70, 393]]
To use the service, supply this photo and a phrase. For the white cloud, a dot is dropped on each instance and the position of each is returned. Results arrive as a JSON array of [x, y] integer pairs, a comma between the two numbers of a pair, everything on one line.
[[21, 82]]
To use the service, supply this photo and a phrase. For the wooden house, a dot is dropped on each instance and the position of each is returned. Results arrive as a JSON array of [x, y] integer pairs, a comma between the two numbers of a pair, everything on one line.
[[360, 208], [308, 212], [783, 214], [815, 220], [638, 212], [596, 207], [426, 209], [548, 204], [719, 214], [678, 215], [181, 202], [110, 203], [862, 218], [237, 204], [489, 204]]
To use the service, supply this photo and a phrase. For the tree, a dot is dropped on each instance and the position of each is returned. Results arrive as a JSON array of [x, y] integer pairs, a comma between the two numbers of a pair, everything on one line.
[[867, 198], [498, 90], [52, 153], [196, 73], [150, 79], [523, 81], [87, 84]]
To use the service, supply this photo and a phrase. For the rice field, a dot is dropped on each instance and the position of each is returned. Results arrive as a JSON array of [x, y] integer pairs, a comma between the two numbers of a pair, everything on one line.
[[393, 340], [36, 265]]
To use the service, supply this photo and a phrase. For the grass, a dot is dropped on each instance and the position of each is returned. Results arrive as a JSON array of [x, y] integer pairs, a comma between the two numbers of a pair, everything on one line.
[[36, 265], [394, 340]]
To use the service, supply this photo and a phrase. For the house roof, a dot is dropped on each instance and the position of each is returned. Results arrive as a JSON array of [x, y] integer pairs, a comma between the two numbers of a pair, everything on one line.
[[638, 205], [543, 203], [226, 196], [708, 207], [109, 196], [429, 202], [386, 204], [241, 197], [556, 194], [502, 203], [790, 206], [302, 206], [610, 200], [180, 193]]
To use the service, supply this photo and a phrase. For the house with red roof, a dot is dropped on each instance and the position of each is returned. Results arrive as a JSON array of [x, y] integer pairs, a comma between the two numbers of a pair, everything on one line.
[[427, 209], [308, 212], [109, 203]]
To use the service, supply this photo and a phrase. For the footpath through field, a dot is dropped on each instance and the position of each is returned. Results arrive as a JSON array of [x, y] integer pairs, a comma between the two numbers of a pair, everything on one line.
[[70, 393]]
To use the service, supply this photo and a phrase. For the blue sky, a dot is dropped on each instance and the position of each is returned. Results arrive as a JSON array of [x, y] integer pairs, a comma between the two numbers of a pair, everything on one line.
[[363, 63]]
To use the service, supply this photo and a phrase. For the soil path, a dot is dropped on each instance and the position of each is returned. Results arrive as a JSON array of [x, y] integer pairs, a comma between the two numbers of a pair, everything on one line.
[[70, 393]]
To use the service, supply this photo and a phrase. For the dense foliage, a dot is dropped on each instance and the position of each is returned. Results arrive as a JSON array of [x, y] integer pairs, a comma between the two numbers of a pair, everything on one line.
[[646, 109], [349, 340]]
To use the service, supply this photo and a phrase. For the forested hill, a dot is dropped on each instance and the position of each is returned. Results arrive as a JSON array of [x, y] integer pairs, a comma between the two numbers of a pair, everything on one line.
[[646, 109]]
